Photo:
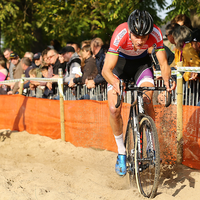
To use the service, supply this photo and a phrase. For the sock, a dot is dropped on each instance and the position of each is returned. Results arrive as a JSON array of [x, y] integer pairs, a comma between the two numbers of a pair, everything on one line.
[[120, 144]]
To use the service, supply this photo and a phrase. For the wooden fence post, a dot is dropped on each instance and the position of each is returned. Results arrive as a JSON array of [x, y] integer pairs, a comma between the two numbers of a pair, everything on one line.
[[62, 113], [179, 115]]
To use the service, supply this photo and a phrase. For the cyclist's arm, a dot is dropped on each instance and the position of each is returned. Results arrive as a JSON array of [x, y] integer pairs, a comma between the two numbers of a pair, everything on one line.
[[165, 68], [109, 65]]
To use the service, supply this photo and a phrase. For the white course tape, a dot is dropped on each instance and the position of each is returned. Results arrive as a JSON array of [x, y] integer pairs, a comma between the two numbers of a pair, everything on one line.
[[179, 70], [189, 69], [158, 73], [60, 82]]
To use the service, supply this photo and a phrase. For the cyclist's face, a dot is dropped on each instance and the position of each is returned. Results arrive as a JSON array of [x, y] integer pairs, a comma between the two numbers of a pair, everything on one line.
[[138, 41]]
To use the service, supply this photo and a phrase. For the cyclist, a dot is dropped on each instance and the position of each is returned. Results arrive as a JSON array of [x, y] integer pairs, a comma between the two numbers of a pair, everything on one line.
[[127, 58]]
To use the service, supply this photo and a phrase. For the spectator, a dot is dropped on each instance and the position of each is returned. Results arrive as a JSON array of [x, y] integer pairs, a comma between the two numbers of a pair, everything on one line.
[[184, 50], [53, 58], [37, 59], [26, 66], [85, 42], [45, 72], [62, 60], [55, 63], [3, 75], [196, 40], [6, 54], [99, 54], [35, 84], [33, 73], [73, 66], [47, 92], [9, 64], [40, 89], [182, 19], [33, 87], [3, 70], [29, 55], [75, 46], [17, 72], [45, 60], [168, 34], [89, 69]]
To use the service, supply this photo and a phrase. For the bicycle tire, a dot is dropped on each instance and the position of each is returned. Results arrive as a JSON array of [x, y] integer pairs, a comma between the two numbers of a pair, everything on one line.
[[130, 148], [147, 158]]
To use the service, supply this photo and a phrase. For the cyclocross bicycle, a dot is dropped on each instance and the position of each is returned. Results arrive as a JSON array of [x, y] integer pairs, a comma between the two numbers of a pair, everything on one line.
[[141, 142]]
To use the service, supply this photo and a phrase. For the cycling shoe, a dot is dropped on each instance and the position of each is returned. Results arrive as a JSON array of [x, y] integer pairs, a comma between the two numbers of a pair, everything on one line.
[[120, 166]]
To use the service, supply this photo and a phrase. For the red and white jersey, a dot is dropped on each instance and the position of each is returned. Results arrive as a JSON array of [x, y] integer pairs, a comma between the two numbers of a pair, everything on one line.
[[121, 43]]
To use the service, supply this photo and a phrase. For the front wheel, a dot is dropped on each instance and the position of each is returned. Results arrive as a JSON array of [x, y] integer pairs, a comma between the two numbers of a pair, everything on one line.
[[147, 157], [130, 148]]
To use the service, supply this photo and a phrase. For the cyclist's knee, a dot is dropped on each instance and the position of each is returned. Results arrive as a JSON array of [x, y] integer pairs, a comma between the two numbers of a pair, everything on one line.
[[147, 100], [115, 112], [112, 100]]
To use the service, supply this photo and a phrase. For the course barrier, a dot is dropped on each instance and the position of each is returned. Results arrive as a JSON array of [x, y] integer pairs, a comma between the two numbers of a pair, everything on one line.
[[42, 116]]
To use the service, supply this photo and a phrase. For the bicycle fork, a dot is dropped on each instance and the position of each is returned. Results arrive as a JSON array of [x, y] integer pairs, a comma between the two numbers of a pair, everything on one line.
[[136, 136]]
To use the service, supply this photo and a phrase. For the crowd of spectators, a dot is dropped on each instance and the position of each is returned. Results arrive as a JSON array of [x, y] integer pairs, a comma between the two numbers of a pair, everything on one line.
[[82, 64], [186, 41]]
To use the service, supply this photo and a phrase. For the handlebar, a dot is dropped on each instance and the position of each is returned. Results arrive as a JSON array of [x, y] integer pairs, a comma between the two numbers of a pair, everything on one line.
[[132, 87]]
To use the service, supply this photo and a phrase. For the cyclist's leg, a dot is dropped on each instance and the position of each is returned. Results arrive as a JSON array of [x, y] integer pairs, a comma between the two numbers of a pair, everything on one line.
[[145, 79], [148, 103], [125, 69], [117, 127], [115, 113]]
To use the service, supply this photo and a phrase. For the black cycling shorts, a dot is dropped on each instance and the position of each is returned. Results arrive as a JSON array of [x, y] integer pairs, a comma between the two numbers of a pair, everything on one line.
[[136, 69]]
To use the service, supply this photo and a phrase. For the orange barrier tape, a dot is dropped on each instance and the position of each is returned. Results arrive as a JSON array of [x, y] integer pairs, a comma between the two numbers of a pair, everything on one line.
[[87, 124], [166, 127], [191, 136]]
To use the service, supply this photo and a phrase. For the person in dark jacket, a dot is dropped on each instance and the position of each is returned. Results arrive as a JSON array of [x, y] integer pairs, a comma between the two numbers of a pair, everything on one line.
[[99, 54], [89, 70], [53, 57]]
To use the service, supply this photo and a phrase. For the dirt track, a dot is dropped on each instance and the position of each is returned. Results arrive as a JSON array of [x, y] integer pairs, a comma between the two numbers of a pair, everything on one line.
[[35, 167]]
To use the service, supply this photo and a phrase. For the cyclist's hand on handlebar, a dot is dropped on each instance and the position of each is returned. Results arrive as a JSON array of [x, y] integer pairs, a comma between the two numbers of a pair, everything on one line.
[[170, 85]]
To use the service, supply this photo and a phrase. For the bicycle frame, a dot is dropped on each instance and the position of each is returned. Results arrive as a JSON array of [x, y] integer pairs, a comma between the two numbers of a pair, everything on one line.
[[137, 107], [141, 143]]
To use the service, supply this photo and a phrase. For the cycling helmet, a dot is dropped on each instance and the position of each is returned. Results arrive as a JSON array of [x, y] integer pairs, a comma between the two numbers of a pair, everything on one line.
[[140, 23]]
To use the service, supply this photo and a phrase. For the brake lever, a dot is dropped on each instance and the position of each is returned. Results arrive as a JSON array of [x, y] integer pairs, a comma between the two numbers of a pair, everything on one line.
[[169, 95], [119, 96]]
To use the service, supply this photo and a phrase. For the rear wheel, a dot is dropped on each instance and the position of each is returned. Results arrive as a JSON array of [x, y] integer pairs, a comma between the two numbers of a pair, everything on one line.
[[147, 158]]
